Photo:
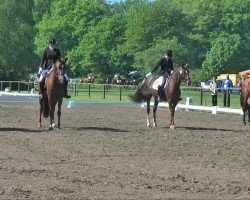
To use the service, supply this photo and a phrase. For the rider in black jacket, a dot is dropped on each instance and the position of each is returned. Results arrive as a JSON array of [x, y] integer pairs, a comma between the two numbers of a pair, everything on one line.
[[49, 58], [166, 65]]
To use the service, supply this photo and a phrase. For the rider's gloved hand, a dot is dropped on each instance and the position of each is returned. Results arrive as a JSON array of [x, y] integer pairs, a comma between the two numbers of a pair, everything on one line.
[[148, 74]]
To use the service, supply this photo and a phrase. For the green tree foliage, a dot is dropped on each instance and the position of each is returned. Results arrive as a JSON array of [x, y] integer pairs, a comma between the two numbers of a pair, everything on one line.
[[98, 46], [17, 58], [221, 35], [148, 22], [145, 60], [223, 55], [106, 39], [68, 24]]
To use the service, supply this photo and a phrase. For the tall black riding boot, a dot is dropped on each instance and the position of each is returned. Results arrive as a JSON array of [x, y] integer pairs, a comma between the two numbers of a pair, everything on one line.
[[159, 93], [66, 95], [42, 88]]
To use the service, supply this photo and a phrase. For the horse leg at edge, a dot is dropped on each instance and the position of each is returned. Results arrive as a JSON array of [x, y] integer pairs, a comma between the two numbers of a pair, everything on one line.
[[40, 115], [148, 111], [154, 112], [248, 110], [244, 109]]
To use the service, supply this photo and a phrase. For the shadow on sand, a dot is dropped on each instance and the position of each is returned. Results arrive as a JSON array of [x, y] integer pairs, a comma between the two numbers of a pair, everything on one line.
[[8, 129], [101, 129]]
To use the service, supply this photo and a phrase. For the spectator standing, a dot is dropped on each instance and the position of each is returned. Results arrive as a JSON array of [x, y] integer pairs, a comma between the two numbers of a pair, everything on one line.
[[227, 88], [214, 91]]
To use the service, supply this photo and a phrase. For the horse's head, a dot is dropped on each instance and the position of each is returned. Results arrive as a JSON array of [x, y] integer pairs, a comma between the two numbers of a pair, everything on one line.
[[60, 67], [184, 74]]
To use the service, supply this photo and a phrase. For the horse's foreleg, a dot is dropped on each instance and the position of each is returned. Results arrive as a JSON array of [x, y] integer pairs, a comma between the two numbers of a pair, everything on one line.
[[59, 114], [244, 116], [148, 111], [154, 112], [51, 113], [172, 110]]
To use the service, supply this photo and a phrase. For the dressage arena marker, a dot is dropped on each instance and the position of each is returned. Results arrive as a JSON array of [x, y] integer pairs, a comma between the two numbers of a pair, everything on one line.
[[214, 112], [71, 104]]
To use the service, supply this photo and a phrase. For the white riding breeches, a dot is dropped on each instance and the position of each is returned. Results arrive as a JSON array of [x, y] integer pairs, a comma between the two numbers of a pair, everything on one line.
[[43, 75]]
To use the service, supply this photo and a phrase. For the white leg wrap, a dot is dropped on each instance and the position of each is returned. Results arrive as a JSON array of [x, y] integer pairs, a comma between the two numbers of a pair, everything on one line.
[[148, 121]]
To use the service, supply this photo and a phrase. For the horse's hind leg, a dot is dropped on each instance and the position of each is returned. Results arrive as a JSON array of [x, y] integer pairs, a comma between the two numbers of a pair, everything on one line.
[[148, 111], [154, 112]]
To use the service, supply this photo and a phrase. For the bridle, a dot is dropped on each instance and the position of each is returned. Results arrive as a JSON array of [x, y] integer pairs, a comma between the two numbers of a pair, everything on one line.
[[184, 74]]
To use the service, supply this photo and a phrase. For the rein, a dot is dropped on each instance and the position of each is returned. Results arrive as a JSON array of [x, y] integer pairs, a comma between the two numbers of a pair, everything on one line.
[[56, 74]]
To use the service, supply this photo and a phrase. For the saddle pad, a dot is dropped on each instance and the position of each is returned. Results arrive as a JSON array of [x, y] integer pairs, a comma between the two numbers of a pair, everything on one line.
[[158, 82]]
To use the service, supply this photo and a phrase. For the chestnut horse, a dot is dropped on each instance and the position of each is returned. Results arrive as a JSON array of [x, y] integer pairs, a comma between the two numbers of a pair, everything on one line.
[[53, 95], [245, 93], [172, 93], [89, 79]]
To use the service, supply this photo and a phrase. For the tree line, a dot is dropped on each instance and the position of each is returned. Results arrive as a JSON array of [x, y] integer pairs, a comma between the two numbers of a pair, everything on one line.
[[98, 37]]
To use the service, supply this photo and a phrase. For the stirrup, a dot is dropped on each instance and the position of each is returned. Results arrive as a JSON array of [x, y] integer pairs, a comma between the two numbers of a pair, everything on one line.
[[159, 99], [41, 96]]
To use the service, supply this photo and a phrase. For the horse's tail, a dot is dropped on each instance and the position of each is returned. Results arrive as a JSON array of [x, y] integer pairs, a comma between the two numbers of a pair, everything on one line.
[[46, 107], [139, 96]]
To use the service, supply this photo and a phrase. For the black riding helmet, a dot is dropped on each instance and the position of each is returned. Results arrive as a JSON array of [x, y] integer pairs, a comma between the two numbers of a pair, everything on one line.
[[169, 53], [52, 41]]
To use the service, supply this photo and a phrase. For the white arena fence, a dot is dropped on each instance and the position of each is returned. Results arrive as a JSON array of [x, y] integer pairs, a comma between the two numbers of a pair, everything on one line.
[[187, 106]]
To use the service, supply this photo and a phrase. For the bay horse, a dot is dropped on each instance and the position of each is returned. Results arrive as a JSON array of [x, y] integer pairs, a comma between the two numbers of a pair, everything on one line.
[[172, 93], [54, 94], [245, 93]]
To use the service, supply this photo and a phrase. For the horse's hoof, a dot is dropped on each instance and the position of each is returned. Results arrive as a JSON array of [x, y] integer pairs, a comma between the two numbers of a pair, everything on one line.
[[39, 125], [154, 125], [50, 128], [172, 126]]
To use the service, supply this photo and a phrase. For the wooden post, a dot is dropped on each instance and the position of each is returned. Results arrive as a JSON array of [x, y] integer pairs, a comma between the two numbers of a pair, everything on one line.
[[18, 86], [89, 90], [28, 87], [120, 93], [201, 91], [75, 89], [104, 91], [10, 86], [1, 85]]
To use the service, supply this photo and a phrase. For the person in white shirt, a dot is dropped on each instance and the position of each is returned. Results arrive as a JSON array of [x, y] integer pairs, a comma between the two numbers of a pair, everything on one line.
[[214, 91]]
